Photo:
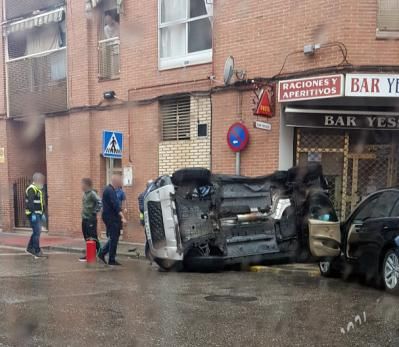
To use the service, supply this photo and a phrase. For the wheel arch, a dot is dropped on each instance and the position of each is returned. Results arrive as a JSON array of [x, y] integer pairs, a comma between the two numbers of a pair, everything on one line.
[[387, 246]]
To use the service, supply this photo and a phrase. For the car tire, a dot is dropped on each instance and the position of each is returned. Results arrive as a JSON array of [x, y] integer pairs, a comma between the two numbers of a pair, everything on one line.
[[390, 272], [147, 252], [199, 176], [329, 268], [169, 265]]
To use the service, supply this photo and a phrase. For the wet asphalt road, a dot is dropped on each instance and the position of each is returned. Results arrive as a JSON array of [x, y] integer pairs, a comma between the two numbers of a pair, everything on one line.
[[61, 302]]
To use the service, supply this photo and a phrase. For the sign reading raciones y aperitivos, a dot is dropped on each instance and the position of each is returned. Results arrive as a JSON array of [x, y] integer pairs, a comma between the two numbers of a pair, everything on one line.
[[311, 88]]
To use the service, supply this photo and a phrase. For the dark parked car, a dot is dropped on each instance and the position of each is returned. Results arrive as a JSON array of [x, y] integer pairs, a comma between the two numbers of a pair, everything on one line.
[[370, 242], [195, 219]]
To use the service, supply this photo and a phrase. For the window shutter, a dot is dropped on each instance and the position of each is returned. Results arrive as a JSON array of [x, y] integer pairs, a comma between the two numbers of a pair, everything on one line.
[[175, 117], [388, 15]]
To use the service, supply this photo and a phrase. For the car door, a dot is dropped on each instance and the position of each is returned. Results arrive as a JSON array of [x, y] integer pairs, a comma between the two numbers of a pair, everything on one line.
[[324, 227], [366, 225], [390, 228]]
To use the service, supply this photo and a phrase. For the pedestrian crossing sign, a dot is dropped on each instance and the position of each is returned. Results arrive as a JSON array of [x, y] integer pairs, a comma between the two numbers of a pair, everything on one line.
[[112, 144]]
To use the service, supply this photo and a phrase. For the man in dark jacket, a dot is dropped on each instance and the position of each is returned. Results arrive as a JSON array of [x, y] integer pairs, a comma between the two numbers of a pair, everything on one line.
[[91, 205], [35, 209], [113, 219]]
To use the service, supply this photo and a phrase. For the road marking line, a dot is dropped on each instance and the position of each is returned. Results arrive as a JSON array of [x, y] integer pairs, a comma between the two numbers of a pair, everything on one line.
[[24, 253], [288, 270], [22, 249]]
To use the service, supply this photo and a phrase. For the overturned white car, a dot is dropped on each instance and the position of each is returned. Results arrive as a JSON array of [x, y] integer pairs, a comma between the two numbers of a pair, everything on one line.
[[199, 221]]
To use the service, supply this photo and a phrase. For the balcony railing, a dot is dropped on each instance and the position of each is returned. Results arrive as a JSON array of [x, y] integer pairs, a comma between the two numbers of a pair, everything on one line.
[[21, 8], [37, 83], [108, 58]]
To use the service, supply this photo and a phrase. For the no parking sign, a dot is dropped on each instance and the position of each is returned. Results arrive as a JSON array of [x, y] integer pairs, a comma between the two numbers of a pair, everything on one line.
[[237, 137]]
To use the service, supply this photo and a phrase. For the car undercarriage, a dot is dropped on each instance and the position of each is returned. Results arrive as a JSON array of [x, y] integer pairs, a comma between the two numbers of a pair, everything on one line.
[[198, 220]]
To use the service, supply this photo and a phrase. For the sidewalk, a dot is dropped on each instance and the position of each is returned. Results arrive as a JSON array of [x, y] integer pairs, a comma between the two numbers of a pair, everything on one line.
[[67, 244]]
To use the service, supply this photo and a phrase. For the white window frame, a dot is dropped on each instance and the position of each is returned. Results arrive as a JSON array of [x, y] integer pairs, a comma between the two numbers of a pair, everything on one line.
[[385, 33], [112, 169], [195, 58]]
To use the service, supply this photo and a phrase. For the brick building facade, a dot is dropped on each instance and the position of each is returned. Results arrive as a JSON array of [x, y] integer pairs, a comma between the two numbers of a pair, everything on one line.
[[55, 124]]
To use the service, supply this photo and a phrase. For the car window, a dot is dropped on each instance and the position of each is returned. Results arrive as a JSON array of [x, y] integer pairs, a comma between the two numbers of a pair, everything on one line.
[[395, 210], [378, 207], [365, 211], [385, 204], [321, 208]]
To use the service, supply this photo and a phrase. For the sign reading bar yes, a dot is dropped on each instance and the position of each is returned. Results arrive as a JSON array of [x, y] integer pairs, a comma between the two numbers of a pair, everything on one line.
[[374, 85], [351, 121]]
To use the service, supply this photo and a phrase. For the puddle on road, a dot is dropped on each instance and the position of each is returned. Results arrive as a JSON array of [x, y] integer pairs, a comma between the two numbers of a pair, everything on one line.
[[230, 298]]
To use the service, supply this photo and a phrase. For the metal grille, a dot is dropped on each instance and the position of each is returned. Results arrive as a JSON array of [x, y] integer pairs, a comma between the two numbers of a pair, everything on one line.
[[156, 223], [326, 147], [108, 58], [322, 139], [19, 187], [175, 115], [355, 163], [388, 15], [21, 8], [37, 83]]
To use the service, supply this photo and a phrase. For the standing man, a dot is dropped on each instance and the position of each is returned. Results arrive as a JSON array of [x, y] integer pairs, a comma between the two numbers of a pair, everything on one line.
[[120, 194], [91, 205], [113, 218], [35, 209], [111, 27], [122, 201]]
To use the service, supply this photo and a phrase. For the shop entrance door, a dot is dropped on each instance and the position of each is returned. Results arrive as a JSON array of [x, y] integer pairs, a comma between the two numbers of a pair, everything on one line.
[[19, 187], [372, 169], [355, 163]]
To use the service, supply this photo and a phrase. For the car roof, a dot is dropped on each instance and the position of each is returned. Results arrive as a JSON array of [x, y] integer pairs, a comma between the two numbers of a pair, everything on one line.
[[394, 189]]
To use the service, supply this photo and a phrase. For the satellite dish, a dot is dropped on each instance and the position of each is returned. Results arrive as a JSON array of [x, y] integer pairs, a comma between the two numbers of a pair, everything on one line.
[[228, 70]]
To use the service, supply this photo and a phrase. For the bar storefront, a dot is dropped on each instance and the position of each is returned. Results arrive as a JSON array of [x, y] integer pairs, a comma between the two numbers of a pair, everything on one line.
[[349, 123]]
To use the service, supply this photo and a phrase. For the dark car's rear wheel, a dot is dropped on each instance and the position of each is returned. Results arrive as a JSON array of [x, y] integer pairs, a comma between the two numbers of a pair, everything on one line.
[[390, 272], [329, 267]]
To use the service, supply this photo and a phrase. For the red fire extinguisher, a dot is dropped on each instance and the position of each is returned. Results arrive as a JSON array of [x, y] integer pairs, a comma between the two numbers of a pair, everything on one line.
[[91, 251]]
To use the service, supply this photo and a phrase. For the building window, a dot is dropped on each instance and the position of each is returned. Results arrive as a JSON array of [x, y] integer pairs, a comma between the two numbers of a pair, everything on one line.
[[36, 63], [185, 32], [108, 44], [175, 118], [388, 17], [113, 167]]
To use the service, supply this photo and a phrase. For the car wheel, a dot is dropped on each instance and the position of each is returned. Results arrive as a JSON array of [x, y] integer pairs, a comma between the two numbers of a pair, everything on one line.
[[329, 268], [147, 252], [390, 272], [169, 265]]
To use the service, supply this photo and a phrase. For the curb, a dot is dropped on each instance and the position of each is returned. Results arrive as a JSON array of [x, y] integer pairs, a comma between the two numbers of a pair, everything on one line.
[[286, 270], [134, 255]]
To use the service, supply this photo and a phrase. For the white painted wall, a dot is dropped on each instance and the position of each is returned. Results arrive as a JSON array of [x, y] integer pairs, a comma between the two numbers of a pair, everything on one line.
[[286, 145]]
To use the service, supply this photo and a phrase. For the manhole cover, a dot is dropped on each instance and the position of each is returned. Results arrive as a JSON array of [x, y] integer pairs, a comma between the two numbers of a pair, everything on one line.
[[230, 298]]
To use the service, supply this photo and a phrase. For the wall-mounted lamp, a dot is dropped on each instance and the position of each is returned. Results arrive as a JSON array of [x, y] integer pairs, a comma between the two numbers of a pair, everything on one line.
[[311, 49], [109, 95]]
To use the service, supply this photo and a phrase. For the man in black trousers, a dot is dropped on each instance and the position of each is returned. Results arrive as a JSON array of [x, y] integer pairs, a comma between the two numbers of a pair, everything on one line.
[[113, 219]]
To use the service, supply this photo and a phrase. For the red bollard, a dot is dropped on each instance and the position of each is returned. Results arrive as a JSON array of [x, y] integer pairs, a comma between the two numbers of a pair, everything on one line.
[[91, 251]]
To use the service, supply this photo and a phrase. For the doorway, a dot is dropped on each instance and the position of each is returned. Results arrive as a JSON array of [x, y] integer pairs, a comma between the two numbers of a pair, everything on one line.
[[355, 163], [19, 188]]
